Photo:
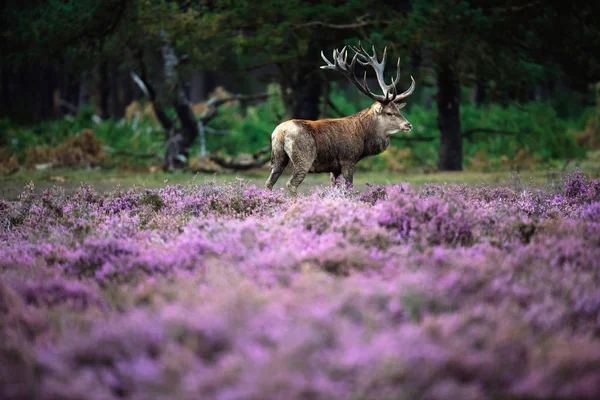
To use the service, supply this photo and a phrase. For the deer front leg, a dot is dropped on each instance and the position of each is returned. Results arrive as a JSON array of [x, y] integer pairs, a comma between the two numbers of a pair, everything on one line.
[[348, 174], [334, 176]]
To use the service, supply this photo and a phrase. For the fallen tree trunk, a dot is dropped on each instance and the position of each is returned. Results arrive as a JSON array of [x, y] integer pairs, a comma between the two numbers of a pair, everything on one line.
[[259, 159], [239, 166]]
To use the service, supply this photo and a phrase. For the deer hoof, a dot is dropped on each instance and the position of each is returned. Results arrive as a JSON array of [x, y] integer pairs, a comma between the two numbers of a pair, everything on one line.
[[293, 190]]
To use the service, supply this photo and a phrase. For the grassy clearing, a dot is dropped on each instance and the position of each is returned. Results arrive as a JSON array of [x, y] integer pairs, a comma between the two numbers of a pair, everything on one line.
[[107, 179]]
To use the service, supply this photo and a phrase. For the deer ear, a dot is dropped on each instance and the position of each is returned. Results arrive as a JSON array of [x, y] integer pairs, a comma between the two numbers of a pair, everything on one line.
[[378, 108], [401, 106]]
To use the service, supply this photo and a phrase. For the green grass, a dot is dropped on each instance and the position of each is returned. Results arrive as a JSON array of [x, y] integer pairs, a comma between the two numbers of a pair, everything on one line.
[[106, 180]]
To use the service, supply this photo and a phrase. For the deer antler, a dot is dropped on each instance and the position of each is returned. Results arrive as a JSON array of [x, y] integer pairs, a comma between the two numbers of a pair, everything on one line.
[[389, 91]]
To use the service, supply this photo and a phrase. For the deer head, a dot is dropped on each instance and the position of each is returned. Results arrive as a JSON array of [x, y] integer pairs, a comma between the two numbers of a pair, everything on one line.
[[386, 110]]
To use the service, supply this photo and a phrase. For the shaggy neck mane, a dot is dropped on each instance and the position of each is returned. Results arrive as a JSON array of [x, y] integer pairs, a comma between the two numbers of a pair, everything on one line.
[[367, 127]]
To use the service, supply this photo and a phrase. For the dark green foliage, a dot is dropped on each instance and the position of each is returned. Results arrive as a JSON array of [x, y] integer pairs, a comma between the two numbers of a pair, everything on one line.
[[507, 51], [535, 131]]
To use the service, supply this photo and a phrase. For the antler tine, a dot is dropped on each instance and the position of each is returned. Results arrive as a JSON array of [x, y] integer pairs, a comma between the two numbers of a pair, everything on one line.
[[384, 59], [353, 62], [397, 78], [379, 68], [393, 93], [340, 64], [408, 91], [365, 84], [364, 58], [329, 65], [342, 59]]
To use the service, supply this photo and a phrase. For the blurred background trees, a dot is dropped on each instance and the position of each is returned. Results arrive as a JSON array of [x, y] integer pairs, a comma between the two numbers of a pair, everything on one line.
[[496, 80]]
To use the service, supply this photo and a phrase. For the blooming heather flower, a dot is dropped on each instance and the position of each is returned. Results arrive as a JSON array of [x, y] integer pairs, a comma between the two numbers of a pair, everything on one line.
[[228, 291]]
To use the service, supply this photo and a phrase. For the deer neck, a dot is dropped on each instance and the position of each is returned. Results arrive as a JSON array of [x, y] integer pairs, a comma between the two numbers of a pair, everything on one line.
[[375, 142]]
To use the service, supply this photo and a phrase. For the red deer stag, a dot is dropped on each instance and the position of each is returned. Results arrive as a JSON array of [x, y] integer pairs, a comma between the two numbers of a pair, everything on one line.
[[336, 145]]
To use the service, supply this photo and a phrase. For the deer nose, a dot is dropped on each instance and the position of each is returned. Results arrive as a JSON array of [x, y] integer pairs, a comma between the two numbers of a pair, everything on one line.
[[409, 126]]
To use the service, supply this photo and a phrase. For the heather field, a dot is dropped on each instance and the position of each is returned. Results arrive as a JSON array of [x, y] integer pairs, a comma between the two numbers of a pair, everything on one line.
[[227, 291]]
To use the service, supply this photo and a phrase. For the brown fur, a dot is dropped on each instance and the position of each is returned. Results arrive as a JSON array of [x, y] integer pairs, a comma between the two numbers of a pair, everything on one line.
[[332, 145]]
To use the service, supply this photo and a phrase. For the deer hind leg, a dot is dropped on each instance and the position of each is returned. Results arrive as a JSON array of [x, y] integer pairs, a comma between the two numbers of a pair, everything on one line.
[[279, 160], [302, 161]]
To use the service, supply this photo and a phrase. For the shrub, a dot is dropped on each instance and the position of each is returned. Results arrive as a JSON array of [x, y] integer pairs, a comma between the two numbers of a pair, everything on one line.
[[229, 291]]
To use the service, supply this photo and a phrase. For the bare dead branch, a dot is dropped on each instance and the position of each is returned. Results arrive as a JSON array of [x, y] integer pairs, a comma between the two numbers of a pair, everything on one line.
[[239, 166], [202, 136], [257, 160], [140, 83]]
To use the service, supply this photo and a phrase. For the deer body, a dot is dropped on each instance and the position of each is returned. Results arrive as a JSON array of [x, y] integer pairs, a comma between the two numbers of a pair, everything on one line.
[[336, 145]]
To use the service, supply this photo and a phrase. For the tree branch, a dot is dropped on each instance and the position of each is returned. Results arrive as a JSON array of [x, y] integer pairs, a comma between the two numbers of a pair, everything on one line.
[[333, 26], [213, 103], [514, 9], [414, 138], [96, 36], [68, 105], [243, 97], [334, 107], [217, 132], [360, 23], [469, 132], [144, 84]]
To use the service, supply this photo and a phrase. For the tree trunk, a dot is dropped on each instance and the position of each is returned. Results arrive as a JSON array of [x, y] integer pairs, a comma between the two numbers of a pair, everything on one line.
[[306, 93], [301, 89], [480, 93], [44, 93], [179, 140], [69, 91], [116, 106], [128, 91], [448, 103], [5, 92], [102, 91], [198, 87], [84, 90]]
